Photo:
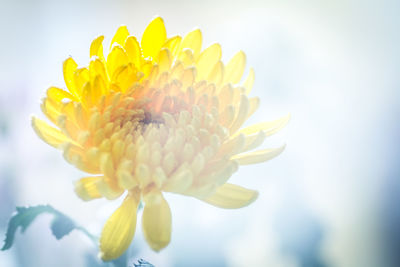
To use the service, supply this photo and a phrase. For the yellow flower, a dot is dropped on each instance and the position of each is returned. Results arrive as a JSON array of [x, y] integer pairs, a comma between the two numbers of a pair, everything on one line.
[[159, 116]]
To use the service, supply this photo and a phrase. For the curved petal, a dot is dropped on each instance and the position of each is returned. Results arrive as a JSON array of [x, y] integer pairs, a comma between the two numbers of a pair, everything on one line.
[[164, 59], [116, 58], [153, 38], [230, 196], [50, 135], [217, 73], [207, 60], [120, 36], [258, 156], [58, 94], [133, 51], [173, 44], [193, 41], [119, 229], [235, 68], [248, 84], [69, 68], [269, 127], [86, 188], [96, 47], [156, 221]]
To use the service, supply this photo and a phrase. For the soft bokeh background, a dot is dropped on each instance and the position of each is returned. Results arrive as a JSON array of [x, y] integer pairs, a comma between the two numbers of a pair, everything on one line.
[[331, 199]]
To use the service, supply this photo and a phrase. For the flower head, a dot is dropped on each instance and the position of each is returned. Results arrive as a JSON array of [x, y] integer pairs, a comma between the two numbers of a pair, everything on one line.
[[158, 116]]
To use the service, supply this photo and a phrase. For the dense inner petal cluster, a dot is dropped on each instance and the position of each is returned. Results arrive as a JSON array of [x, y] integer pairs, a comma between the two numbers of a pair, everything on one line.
[[160, 116]]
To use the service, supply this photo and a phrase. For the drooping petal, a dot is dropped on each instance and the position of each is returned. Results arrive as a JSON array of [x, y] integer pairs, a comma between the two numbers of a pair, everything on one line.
[[269, 127], [119, 229], [156, 221], [258, 156], [50, 135], [86, 188], [51, 109], [180, 180], [230, 196], [153, 38], [57, 94], [253, 141], [109, 188]]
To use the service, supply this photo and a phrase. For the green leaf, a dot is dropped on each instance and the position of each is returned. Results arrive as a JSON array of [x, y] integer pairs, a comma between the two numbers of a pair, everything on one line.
[[143, 263], [61, 225]]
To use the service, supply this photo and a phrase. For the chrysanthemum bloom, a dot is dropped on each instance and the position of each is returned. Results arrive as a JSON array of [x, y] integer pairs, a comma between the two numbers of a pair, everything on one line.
[[159, 116]]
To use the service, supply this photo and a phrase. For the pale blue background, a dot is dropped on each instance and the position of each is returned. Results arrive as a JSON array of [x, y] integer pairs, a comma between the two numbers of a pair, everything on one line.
[[331, 199]]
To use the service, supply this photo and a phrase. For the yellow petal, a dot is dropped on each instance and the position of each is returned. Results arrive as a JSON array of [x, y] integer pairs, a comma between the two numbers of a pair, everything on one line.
[[258, 156], [125, 174], [81, 77], [192, 41], [230, 196], [187, 78], [119, 229], [51, 109], [69, 68], [98, 68], [57, 94], [109, 188], [217, 73], [153, 38], [186, 57], [116, 59], [106, 164], [156, 221], [248, 84], [124, 77], [120, 36], [96, 47], [254, 104], [233, 145], [133, 51], [164, 60], [207, 60], [180, 180], [253, 141], [242, 114], [269, 127], [50, 135], [87, 95], [235, 68], [74, 154], [86, 188], [173, 44]]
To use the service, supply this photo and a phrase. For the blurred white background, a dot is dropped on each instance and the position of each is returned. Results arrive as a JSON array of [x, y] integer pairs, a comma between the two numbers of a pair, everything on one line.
[[332, 64]]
